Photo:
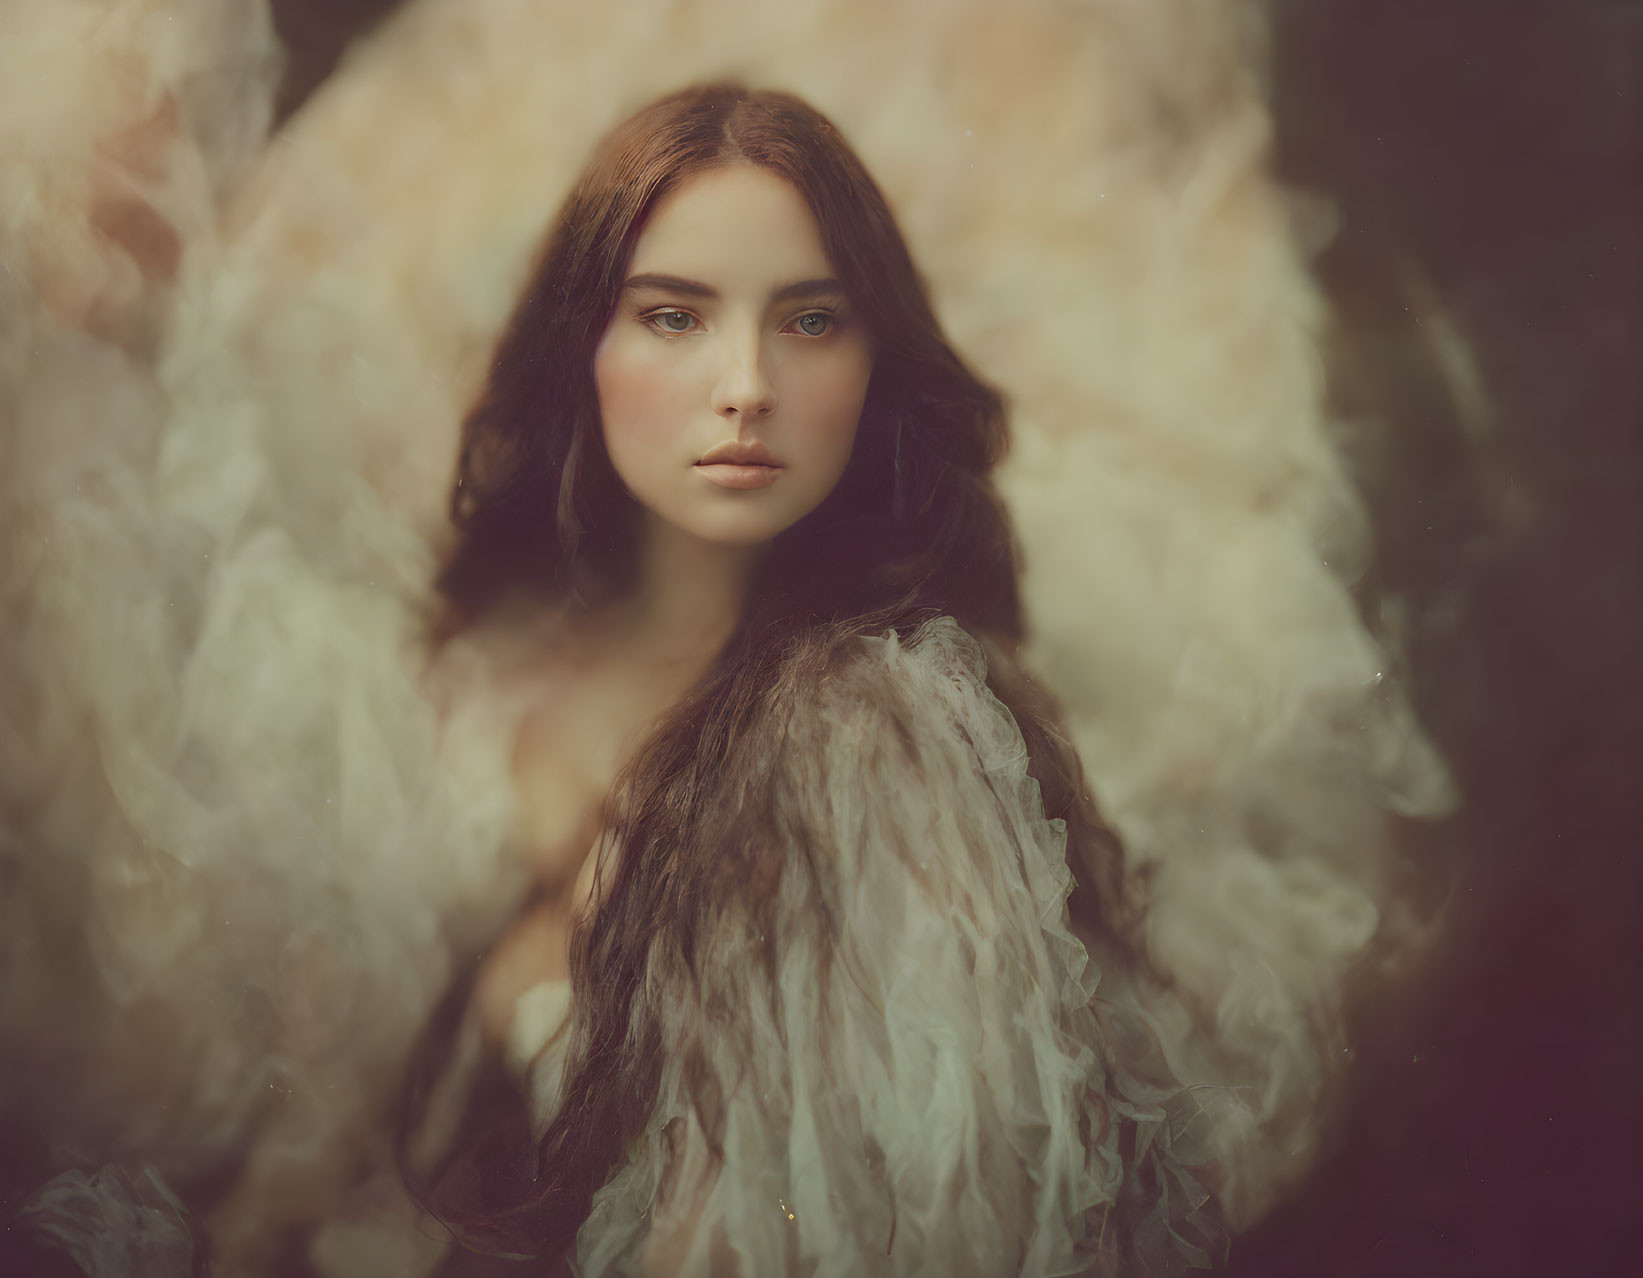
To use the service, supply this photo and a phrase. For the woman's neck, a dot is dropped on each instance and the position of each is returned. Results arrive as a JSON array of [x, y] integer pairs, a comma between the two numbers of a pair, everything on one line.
[[687, 597]]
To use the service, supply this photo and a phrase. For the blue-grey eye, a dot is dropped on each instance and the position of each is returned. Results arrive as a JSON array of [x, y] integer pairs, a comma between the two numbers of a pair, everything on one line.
[[673, 321], [814, 324]]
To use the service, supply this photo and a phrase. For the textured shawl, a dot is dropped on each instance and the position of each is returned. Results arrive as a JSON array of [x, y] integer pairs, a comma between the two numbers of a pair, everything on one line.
[[923, 1085]]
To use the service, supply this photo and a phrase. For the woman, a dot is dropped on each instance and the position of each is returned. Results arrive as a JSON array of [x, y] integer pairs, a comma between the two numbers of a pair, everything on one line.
[[727, 540]]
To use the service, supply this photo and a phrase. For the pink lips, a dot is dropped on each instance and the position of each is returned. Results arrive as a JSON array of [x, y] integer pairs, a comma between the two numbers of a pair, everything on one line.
[[738, 465], [741, 476]]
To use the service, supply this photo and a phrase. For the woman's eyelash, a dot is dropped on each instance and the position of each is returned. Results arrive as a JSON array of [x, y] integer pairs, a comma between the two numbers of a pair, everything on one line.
[[660, 320], [830, 319], [654, 320]]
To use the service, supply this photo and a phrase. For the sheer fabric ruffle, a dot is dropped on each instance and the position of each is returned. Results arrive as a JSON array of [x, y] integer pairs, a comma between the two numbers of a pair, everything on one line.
[[931, 1084]]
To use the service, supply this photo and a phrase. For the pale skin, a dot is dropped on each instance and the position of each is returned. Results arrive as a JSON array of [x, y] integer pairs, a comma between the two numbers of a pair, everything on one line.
[[732, 332]]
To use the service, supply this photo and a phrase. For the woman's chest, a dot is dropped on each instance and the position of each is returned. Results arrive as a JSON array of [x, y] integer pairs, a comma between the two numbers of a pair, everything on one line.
[[568, 752], [569, 749]]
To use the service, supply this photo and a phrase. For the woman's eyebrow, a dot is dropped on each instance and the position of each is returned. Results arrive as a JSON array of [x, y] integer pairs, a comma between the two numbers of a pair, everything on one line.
[[670, 284], [808, 288], [828, 287]]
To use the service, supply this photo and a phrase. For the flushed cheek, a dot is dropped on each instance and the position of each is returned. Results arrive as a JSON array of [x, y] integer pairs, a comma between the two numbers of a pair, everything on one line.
[[638, 397]]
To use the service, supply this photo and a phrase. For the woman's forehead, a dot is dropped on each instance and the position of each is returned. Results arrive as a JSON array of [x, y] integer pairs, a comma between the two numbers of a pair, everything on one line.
[[731, 226]]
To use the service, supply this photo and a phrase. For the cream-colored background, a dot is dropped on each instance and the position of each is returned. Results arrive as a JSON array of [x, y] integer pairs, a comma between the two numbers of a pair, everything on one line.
[[204, 593]]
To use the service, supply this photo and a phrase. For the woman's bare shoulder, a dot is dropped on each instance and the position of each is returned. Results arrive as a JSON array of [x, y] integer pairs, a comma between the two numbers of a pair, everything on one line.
[[510, 658]]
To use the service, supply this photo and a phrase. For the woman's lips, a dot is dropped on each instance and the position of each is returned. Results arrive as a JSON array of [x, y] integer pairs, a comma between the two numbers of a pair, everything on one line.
[[728, 475]]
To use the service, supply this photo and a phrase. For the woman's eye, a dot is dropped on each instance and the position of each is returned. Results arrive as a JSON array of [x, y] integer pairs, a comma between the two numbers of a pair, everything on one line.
[[815, 324], [670, 321]]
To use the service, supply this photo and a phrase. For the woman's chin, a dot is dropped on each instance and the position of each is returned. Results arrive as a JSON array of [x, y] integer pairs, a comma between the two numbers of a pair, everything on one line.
[[744, 529]]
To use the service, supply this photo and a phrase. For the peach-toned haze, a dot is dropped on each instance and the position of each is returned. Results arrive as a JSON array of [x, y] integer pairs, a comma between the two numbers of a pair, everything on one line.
[[232, 367]]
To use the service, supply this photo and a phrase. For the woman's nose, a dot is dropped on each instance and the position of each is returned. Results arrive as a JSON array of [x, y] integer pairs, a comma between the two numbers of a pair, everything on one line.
[[744, 388]]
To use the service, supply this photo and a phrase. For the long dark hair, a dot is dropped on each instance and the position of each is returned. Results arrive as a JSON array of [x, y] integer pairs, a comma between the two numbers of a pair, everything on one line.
[[913, 530]]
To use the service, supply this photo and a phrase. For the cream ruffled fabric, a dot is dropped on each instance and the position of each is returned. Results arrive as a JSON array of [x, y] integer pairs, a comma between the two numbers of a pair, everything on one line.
[[928, 1089]]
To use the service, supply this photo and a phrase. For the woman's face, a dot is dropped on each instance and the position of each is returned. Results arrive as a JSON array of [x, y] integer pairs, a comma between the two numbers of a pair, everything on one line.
[[731, 377]]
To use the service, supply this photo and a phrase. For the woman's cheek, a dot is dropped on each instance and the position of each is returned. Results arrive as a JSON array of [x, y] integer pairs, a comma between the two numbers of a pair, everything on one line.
[[638, 395]]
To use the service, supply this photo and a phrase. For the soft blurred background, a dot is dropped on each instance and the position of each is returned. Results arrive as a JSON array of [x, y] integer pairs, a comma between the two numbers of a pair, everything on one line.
[[1470, 169], [1483, 159]]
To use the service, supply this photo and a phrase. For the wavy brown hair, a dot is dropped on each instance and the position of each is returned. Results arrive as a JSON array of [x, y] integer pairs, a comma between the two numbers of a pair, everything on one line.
[[913, 530]]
